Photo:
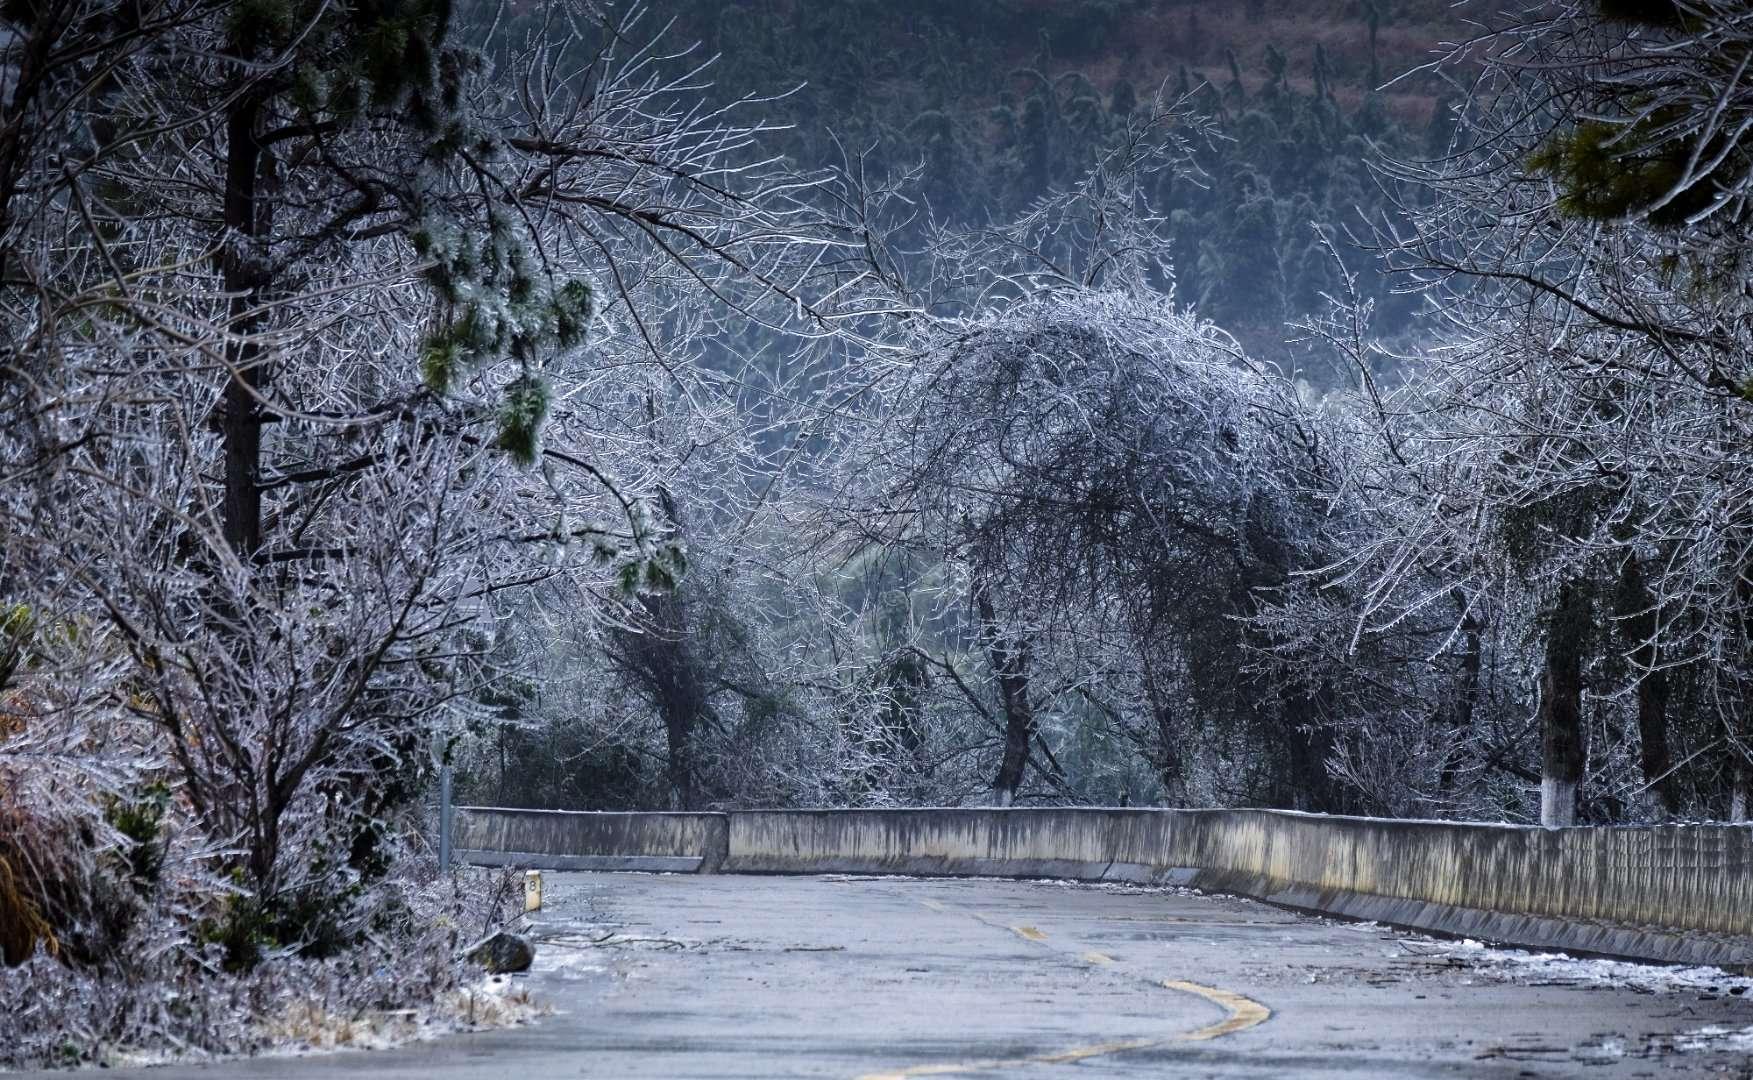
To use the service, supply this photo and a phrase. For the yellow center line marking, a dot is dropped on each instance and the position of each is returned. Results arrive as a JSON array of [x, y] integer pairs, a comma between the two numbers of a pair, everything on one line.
[[1027, 933], [1061, 1057], [1243, 1013]]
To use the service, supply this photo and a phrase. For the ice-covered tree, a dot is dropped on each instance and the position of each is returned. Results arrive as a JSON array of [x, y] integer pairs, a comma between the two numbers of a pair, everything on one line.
[[1585, 241], [309, 311]]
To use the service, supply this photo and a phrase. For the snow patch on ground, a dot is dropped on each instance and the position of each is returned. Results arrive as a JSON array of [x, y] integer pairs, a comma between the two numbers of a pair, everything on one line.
[[1608, 1050], [1715, 1039], [1523, 966], [565, 963], [495, 1001], [306, 1027]]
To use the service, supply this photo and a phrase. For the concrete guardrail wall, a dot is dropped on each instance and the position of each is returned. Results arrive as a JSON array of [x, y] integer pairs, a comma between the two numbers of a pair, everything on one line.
[[1670, 893], [567, 840]]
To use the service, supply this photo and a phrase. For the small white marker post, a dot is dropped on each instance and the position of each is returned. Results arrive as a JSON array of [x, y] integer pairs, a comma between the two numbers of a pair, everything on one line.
[[532, 890]]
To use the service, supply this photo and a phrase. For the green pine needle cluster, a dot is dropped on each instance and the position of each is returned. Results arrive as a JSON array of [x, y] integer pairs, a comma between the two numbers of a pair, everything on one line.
[[503, 308], [523, 409], [17, 629], [391, 56], [1607, 173], [377, 55], [661, 571]]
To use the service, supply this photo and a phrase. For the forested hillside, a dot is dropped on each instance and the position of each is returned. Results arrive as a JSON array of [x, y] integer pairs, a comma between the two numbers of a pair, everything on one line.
[[1002, 101]]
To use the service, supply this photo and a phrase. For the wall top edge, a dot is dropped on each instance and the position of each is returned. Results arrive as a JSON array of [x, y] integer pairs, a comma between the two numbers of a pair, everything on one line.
[[1131, 811], [593, 813]]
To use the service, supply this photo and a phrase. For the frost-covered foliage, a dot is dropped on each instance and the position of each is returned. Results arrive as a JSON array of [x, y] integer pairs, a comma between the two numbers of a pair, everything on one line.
[[323, 336], [1105, 481], [1583, 437], [1405, 626], [1045, 534], [165, 993]]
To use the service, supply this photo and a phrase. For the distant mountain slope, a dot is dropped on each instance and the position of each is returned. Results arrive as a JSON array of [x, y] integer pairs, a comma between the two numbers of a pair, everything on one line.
[[1003, 100], [1362, 42], [1157, 37]]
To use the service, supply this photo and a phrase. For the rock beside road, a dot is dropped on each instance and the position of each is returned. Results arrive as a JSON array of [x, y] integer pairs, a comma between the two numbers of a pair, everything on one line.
[[503, 953]]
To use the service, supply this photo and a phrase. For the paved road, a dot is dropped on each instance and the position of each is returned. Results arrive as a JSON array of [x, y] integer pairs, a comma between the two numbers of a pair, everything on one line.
[[852, 978]]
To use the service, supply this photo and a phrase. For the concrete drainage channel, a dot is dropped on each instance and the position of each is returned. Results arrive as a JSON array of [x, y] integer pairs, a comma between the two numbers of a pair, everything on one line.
[[1666, 893]]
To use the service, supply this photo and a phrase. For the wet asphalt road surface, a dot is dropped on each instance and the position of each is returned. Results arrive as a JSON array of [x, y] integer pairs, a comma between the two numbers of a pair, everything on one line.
[[673, 976]]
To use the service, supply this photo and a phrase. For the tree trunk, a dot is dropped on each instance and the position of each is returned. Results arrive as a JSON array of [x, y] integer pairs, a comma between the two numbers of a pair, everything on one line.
[[1305, 740], [1170, 769], [660, 656], [1638, 617], [243, 267], [1741, 791], [1652, 729], [1741, 742], [1464, 699], [1561, 708], [1009, 657], [662, 659]]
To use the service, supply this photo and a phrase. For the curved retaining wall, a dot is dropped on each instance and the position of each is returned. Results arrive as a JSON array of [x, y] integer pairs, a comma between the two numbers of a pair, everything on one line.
[[1672, 893], [1677, 894]]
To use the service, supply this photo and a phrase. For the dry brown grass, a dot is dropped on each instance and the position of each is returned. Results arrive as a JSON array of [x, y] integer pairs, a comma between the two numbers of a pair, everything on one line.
[[22, 925], [23, 918]]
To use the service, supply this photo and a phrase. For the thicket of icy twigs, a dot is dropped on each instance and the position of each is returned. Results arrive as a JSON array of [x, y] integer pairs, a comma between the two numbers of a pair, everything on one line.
[[387, 383]]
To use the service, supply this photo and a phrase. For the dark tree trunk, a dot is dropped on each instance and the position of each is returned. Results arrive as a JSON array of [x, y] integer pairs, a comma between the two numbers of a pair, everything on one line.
[[1305, 741], [1561, 708], [1741, 741], [247, 220], [1464, 700], [662, 659], [1740, 789], [1638, 617], [1009, 657], [1652, 729], [1170, 769]]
